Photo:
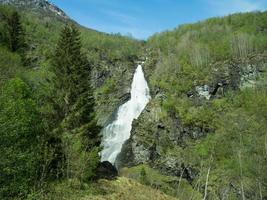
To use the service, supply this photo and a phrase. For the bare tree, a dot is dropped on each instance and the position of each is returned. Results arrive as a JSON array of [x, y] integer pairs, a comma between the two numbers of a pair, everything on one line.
[[242, 45], [199, 55]]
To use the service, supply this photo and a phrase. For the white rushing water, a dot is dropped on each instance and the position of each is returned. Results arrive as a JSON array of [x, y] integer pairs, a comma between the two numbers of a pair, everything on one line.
[[117, 132]]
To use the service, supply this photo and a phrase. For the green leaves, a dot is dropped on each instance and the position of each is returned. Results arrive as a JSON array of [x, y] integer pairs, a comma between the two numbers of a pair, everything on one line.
[[75, 100], [11, 29], [70, 66], [20, 139]]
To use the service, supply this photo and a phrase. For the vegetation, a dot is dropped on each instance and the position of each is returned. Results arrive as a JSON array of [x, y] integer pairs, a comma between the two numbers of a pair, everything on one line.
[[49, 131], [22, 139], [174, 186], [60, 82], [232, 125]]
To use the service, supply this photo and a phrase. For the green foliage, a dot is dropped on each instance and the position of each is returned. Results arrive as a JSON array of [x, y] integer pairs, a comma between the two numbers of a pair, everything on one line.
[[195, 55], [112, 48], [109, 86], [48, 121], [187, 55], [143, 177], [240, 130], [70, 67], [16, 34], [21, 140], [11, 29], [10, 65], [58, 94], [174, 186], [76, 106]]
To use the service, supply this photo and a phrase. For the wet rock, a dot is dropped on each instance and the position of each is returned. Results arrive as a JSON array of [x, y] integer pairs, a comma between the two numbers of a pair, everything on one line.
[[106, 170], [132, 154], [124, 98], [217, 86], [125, 158]]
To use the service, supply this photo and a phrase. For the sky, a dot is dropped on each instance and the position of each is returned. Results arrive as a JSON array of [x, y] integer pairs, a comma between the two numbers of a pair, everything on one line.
[[143, 18]]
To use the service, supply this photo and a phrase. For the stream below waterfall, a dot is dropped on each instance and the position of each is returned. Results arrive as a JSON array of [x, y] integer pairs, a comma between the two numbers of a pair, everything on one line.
[[118, 131]]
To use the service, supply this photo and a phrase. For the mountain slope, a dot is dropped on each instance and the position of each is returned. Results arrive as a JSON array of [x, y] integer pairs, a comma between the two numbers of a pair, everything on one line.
[[202, 134], [111, 56], [207, 119], [37, 140]]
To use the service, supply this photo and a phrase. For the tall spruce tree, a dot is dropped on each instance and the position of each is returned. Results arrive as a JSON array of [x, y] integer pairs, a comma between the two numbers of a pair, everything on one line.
[[70, 66], [16, 33], [76, 103]]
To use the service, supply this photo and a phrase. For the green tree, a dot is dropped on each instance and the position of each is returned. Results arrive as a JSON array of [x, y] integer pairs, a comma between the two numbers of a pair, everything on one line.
[[70, 66], [21, 139], [74, 96], [16, 33]]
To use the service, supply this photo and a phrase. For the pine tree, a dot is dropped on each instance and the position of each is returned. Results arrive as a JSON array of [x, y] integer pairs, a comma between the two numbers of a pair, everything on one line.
[[16, 33], [76, 103], [70, 66]]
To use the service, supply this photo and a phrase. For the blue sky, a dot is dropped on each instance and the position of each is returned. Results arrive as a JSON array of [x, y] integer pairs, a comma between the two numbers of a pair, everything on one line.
[[142, 18]]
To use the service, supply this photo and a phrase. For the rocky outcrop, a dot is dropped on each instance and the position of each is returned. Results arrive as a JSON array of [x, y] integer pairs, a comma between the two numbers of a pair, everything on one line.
[[151, 140], [231, 74], [172, 166], [43, 5]]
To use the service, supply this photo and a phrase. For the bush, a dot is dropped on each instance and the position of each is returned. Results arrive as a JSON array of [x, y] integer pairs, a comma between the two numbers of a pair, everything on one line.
[[21, 140]]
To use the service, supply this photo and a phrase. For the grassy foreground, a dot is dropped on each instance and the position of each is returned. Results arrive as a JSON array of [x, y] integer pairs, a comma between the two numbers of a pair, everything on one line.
[[120, 189]]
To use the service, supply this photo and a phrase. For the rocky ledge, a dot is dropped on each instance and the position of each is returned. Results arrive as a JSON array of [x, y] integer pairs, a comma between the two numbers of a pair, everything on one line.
[[43, 5]]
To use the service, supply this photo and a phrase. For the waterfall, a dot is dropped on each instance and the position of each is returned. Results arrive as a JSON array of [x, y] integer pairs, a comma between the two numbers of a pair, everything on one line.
[[118, 131]]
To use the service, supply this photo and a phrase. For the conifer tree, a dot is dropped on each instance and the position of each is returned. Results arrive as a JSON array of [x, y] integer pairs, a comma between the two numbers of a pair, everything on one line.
[[76, 103], [16, 33], [70, 66]]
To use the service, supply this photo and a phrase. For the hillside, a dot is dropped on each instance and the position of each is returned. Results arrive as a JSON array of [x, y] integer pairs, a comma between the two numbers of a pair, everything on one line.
[[33, 113], [110, 55], [206, 122], [203, 135]]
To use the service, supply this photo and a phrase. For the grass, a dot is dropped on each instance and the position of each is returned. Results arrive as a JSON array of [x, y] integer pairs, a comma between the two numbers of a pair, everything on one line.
[[120, 189], [174, 186]]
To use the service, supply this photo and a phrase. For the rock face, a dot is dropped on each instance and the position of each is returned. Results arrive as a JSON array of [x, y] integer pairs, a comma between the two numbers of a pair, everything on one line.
[[231, 74], [43, 5], [116, 79]]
